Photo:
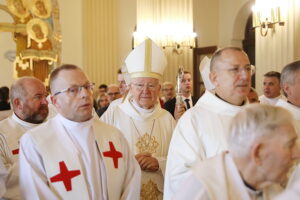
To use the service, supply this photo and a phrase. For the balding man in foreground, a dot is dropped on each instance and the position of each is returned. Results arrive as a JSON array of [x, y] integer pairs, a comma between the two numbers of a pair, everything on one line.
[[201, 132], [73, 155], [262, 148], [30, 108]]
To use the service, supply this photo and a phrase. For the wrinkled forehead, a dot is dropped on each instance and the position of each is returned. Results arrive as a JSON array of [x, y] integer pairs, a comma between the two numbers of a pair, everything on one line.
[[144, 80], [231, 58], [68, 78]]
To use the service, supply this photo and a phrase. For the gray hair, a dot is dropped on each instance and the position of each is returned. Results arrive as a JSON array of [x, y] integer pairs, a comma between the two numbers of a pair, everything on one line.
[[254, 122], [289, 71], [18, 88]]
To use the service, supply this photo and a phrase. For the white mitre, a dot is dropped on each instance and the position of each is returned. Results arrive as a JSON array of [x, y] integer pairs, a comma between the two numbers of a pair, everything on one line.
[[146, 60], [204, 69]]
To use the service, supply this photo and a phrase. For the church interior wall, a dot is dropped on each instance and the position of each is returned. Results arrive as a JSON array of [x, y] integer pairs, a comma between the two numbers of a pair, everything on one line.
[[217, 22]]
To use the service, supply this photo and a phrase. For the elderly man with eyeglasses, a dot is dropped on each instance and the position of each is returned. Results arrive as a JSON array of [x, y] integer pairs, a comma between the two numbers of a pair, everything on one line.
[[146, 126], [201, 131], [74, 155]]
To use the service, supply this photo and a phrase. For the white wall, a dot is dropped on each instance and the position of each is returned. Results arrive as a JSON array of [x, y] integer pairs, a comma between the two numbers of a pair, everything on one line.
[[127, 22], [206, 22], [71, 25]]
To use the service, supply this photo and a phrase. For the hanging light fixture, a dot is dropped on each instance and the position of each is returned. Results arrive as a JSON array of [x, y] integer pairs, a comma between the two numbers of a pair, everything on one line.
[[266, 14]]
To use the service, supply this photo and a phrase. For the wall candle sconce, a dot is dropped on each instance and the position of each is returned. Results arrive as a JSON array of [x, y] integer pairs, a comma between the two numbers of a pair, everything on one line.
[[266, 15]]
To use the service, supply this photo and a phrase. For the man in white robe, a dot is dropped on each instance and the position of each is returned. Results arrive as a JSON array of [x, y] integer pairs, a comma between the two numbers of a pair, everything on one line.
[[74, 155], [30, 108], [271, 88], [201, 131], [290, 83], [262, 146], [146, 126]]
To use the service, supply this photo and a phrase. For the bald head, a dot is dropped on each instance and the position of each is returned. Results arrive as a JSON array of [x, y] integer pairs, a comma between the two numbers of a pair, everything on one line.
[[230, 72], [28, 97]]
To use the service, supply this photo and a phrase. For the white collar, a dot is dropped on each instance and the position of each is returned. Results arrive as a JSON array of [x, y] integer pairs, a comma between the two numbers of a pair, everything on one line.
[[74, 125], [139, 113], [26, 125], [140, 109], [210, 101], [292, 108]]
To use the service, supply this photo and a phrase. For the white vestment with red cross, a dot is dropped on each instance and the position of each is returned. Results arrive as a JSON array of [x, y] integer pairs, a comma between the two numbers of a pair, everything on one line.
[[59, 163], [134, 122], [13, 129]]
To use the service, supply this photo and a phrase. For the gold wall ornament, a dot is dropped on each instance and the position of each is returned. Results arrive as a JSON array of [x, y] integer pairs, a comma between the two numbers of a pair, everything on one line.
[[18, 8], [37, 30], [147, 143], [41, 8], [149, 191]]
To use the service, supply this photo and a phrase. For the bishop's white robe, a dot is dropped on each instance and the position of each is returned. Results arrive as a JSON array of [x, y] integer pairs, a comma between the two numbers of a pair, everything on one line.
[[200, 133], [216, 178], [271, 101], [13, 129], [62, 159], [139, 125]]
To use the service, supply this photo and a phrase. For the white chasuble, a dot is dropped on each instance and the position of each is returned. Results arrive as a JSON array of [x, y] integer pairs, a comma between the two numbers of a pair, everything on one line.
[[63, 159], [295, 111], [146, 131], [13, 129], [200, 133], [216, 178]]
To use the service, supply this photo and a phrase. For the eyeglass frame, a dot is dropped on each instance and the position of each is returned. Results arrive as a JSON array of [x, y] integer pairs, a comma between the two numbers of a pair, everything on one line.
[[235, 70], [141, 86], [88, 87]]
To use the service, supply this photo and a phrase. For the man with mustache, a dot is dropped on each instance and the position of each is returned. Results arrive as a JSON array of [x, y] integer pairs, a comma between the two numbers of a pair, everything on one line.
[[30, 108], [74, 155], [201, 131]]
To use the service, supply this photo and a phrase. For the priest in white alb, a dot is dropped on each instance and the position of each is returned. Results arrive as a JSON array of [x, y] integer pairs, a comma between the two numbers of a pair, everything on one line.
[[146, 126], [74, 155], [30, 108], [201, 131], [290, 84], [262, 149]]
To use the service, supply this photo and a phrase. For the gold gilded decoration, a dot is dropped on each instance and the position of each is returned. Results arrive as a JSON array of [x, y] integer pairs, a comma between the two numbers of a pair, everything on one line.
[[41, 8], [37, 34], [149, 191], [38, 31], [147, 143], [18, 8]]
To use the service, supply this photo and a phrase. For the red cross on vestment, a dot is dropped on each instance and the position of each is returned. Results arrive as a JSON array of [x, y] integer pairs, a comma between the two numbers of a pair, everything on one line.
[[15, 151], [115, 155], [65, 176]]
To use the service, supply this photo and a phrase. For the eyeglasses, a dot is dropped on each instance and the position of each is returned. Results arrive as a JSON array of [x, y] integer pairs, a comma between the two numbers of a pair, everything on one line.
[[140, 86], [113, 93], [249, 69], [74, 90]]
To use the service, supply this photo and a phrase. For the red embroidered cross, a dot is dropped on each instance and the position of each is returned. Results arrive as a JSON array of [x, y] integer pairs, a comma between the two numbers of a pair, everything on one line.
[[115, 155], [65, 176], [15, 151]]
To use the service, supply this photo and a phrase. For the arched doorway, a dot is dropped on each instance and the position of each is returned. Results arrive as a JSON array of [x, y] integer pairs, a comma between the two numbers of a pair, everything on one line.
[[249, 44]]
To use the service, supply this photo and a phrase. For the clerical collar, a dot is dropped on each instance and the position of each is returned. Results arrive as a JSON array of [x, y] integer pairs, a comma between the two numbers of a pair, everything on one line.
[[252, 190], [24, 124], [243, 103], [72, 124], [139, 109]]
